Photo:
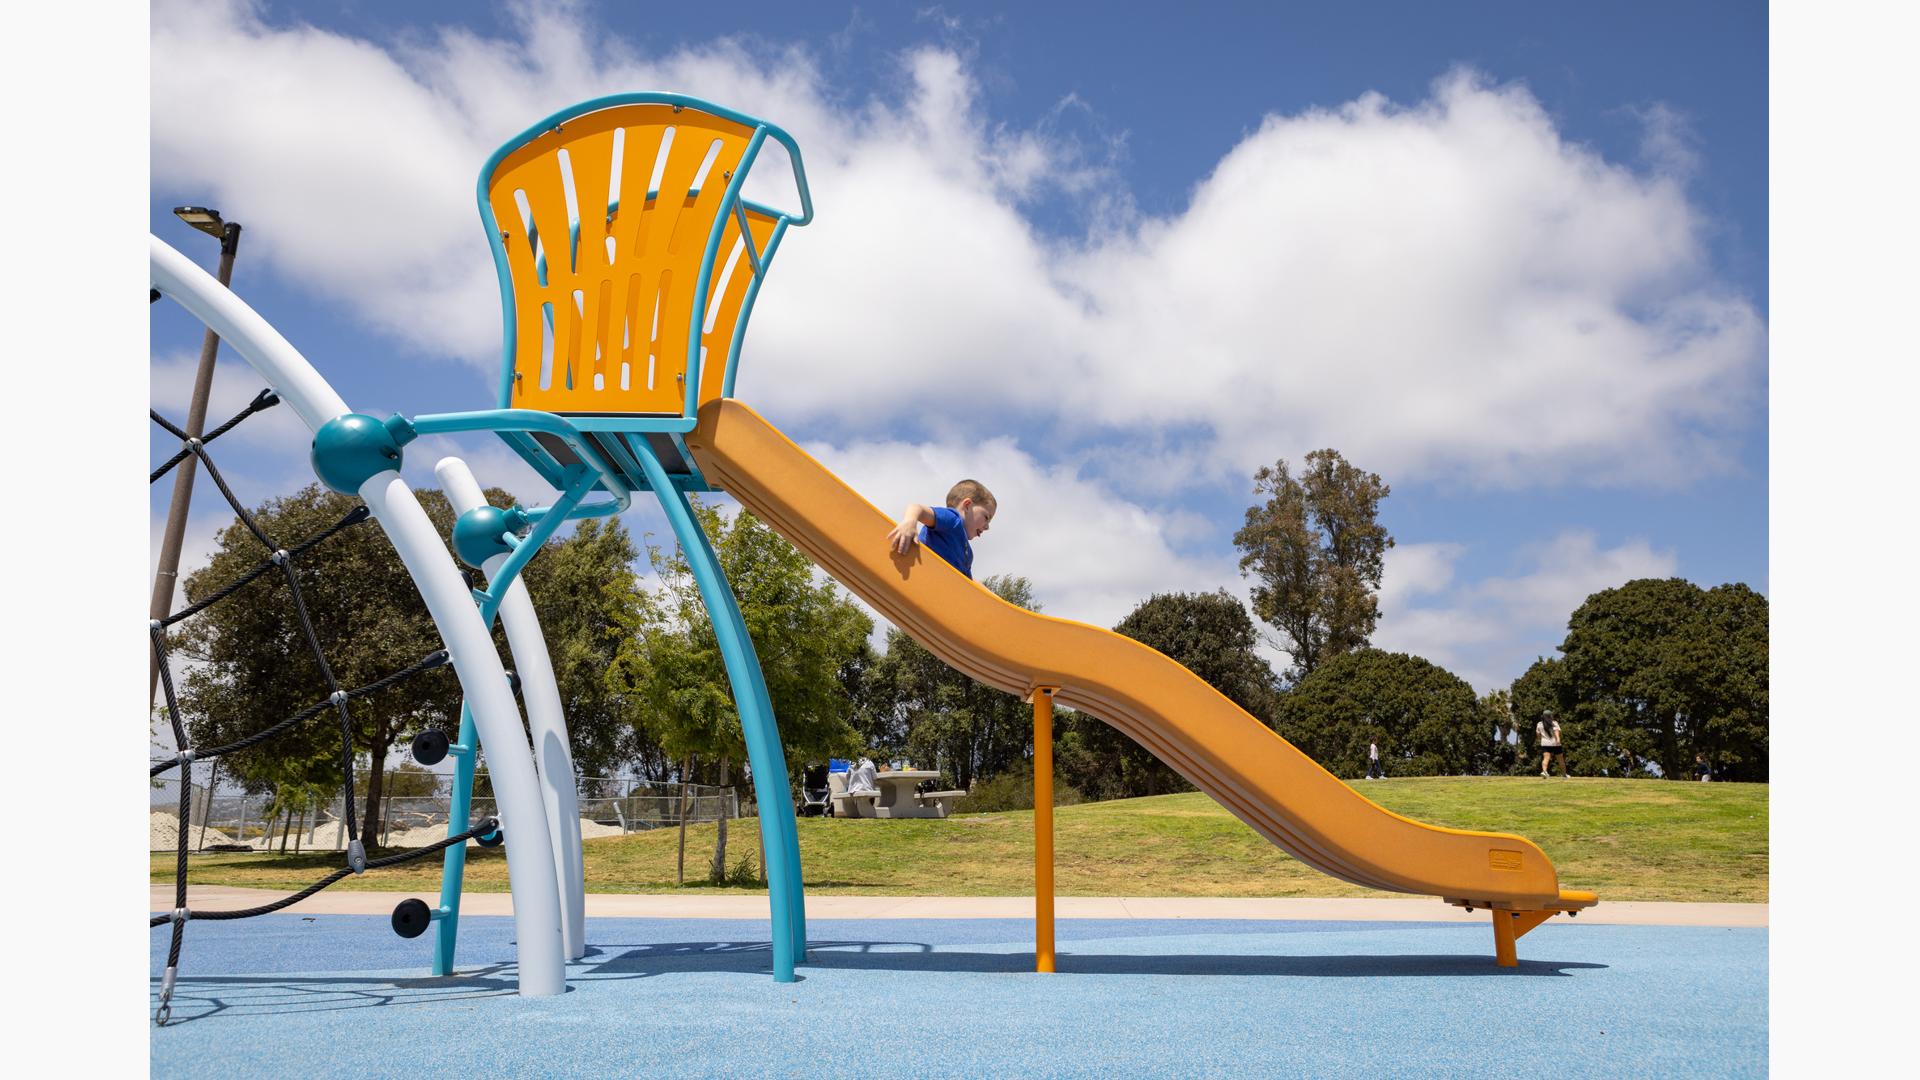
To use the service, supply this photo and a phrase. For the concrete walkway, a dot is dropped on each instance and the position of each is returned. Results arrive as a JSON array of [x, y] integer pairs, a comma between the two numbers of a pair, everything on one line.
[[752, 906]]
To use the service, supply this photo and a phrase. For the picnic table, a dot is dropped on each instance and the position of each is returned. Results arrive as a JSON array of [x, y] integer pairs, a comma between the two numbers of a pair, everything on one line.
[[896, 797]]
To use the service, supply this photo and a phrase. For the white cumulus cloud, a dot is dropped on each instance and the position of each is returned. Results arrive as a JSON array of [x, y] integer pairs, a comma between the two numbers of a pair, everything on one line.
[[1487, 631], [1446, 288], [1091, 554]]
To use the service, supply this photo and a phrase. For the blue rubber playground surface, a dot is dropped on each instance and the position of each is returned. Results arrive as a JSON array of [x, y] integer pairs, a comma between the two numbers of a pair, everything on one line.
[[340, 995]]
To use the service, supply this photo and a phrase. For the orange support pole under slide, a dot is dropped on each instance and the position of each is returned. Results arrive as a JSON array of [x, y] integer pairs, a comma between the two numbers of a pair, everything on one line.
[[1509, 927], [1043, 828]]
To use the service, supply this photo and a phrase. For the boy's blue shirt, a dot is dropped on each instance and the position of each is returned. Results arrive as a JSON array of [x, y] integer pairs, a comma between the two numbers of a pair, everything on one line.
[[947, 538]]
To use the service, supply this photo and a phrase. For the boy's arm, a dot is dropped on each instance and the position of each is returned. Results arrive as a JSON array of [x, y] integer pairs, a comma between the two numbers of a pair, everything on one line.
[[902, 538]]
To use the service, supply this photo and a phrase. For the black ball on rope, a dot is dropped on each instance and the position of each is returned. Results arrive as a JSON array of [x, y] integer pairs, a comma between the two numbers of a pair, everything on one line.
[[430, 747], [411, 918]]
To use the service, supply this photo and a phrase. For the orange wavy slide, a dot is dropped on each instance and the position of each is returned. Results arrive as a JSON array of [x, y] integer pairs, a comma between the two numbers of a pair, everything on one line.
[[1260, 777]]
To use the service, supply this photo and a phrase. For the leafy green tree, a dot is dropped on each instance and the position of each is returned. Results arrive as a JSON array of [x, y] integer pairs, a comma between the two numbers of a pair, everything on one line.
[[878, 720], [1732, 729], [581, 588], [405, 780], [1592, 738], [1314, 550], [1425, 719], [1497, 709], [803, 628], [255, 667], [967, 730], [1212, 636], [1662, 670]]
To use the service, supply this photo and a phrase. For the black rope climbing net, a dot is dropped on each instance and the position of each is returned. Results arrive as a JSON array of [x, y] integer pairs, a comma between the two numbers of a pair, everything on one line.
[[336, 700]]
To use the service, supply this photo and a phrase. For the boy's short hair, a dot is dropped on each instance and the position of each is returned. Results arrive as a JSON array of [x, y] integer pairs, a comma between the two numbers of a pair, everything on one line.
[[971, 489]]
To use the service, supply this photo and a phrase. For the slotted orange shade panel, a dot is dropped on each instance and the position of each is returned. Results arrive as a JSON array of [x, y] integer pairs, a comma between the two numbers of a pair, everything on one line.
[[604, 222]]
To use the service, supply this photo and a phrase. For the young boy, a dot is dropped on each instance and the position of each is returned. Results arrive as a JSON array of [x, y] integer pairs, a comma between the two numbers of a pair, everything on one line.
[[947, 532]]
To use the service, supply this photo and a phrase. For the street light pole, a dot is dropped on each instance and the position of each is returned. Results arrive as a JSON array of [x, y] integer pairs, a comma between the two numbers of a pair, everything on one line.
[[207, 221]]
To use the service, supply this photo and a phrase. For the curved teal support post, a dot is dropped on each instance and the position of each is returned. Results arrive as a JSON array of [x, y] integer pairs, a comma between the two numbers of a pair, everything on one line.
[[764, 752], [453, 866]]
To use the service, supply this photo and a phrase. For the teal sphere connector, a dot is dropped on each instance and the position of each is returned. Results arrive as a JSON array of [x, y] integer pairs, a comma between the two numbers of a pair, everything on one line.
[[481, 533], [349, 450]]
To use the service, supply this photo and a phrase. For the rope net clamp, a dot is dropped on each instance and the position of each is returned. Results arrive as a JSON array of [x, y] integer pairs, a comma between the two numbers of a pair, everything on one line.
[[280, 557], [165, 1012], [357, 856], [338, 697], [180, 915], [185, 758]]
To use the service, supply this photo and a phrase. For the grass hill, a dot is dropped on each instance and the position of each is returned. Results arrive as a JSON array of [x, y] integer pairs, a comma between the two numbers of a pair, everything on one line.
[[1625, 839]]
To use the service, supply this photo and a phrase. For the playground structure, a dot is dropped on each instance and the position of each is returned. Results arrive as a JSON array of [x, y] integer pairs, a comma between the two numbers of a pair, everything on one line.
[[629, 261]]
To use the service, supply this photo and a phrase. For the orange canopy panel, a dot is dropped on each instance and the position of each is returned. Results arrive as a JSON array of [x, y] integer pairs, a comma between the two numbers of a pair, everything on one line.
[[604, 221], [1253, 772]]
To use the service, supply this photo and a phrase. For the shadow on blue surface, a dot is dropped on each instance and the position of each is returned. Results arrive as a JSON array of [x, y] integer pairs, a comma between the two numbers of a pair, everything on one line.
[[661, 958], [340, 995], [207, 996]]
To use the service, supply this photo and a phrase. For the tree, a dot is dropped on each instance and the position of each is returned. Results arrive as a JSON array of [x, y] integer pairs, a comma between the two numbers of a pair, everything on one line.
[[1497, 709], [1314, 550], [1732, 725], [1663, 670], [803, 628], [966, 729], [1213, 637], [256, 667], [1425, 719], [1594, 738], [581, 590]]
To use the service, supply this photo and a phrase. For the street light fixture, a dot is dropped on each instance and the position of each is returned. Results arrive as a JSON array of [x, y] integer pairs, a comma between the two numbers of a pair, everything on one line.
[[200, 217]]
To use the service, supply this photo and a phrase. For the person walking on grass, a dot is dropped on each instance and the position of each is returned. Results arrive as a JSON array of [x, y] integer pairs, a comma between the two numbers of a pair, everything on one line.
[[1374, 771], [1546, 734]]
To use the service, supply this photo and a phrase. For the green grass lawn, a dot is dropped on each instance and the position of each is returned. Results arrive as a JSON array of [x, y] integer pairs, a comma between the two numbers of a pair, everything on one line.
[[1625, 839]]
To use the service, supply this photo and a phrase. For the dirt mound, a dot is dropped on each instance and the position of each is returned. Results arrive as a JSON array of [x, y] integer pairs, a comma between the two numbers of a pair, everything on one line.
[[163, 833]]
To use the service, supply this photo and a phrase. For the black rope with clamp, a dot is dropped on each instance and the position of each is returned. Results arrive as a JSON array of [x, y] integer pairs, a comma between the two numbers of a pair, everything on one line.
[[337, 699]]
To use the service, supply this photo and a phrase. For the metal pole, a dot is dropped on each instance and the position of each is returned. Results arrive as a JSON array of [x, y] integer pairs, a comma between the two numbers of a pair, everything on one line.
[[1043, 828], [206, 815], [169, 569]]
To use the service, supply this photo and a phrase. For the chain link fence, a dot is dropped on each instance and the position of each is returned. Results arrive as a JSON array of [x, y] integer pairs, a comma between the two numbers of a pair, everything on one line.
[[222, 819]]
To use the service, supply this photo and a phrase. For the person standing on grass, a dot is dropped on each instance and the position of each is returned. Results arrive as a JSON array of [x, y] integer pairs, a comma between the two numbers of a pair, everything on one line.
[[1374, 771], [1546, 734]]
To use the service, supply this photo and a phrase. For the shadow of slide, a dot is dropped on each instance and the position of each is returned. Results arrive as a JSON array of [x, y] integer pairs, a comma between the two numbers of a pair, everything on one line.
[[240, 996], [906, 956]]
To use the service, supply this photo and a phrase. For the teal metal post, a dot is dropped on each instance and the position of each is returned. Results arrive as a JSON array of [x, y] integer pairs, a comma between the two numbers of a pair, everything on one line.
[[750, 698], [579, 481], [453, 866]]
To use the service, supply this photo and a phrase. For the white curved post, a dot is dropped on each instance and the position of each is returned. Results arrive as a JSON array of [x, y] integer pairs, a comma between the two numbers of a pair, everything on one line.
[[540, 692], [242, 328], [530, 866]]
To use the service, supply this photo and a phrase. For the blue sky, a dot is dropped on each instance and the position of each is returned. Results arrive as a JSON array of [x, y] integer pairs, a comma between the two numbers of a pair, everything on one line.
[[1513, 258]]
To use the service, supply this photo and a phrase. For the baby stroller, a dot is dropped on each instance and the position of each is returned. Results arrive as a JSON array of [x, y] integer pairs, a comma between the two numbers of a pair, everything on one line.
[[813, 793]]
